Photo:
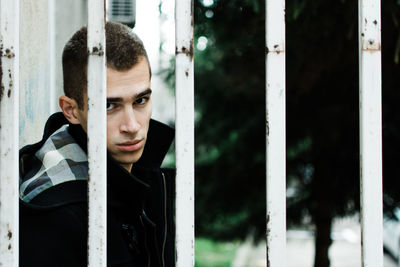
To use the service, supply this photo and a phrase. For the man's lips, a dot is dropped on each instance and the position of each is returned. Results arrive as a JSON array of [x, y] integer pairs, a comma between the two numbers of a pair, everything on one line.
[[130, 145]]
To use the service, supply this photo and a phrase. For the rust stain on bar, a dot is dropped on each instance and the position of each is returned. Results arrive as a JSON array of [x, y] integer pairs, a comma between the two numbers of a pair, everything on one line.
[[1, 91], [370, 46], [277, 49], [8, 53], [267, 234], [187, 51], [362, 251], [1, 73], [97, 51], [10, 84]]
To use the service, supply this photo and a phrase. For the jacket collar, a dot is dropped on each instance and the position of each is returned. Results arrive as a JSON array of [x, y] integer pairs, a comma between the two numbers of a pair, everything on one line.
[[159, 139], [128, 186]]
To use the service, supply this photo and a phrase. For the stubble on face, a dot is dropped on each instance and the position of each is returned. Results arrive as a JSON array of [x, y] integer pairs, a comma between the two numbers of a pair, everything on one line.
[[129, 110]]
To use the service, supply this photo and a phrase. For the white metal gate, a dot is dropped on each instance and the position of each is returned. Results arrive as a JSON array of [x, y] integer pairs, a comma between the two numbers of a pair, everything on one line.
[[370, 132]]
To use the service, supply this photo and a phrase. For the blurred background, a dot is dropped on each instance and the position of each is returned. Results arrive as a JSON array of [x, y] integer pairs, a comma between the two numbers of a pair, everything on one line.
[[322, 117]]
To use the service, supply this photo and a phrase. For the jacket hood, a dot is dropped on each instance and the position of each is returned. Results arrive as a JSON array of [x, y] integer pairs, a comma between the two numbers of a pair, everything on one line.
[[59, 160]]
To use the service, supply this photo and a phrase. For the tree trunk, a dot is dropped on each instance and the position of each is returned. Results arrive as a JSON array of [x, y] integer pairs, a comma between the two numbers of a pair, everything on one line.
[[322, 240]]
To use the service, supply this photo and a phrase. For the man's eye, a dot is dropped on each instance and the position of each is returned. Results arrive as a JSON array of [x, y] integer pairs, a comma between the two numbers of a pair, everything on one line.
[[110, 106], [141, 101]]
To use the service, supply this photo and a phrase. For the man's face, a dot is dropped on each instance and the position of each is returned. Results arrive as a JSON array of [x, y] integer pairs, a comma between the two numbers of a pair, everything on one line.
[[128, 113]]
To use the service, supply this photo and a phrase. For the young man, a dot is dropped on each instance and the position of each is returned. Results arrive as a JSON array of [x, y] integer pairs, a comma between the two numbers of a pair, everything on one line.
[[54, 171]]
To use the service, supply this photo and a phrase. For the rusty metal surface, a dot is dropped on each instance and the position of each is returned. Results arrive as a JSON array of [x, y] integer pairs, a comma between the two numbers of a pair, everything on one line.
[[9, 178], [370, 133], [275, 134], [96, 128], [184, 123]]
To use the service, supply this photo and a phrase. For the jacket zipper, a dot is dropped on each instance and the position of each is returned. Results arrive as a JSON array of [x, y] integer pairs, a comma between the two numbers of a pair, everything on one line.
[[165, 225], [157, 250], [145, 242], [165, 220]]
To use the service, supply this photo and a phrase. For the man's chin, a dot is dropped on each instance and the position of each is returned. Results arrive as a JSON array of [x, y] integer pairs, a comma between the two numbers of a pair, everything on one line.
[[127, 160]]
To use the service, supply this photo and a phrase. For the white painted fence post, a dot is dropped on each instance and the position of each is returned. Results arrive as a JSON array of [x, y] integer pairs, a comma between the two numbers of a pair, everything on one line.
[[370, 132], [276, 133], [97, 155], [9, 119], [184, 133]]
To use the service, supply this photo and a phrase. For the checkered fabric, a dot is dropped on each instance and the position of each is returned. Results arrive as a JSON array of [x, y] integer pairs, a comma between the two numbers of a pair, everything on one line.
[[61, 159]]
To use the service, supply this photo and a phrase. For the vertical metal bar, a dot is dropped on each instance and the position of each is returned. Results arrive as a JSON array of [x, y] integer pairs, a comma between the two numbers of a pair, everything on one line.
[[9, 119], [97, 94], [275, 130], [184, 133], [370, 132]]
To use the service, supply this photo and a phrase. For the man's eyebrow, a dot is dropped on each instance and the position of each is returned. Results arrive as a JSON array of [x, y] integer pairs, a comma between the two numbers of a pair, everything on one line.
[[120, 99], [114, 99], [145, 92]]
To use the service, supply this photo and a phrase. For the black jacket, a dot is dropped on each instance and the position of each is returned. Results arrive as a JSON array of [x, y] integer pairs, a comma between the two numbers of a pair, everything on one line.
[[140, 227]]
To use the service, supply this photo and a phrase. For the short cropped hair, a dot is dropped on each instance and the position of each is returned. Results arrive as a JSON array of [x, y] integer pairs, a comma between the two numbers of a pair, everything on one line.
[[124, 50]]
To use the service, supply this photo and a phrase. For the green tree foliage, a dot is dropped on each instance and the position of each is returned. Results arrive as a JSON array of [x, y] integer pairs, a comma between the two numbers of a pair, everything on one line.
[[230, 97], [322, 114]]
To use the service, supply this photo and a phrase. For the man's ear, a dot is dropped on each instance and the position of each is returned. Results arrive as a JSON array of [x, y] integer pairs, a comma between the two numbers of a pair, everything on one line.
[[70, 109]]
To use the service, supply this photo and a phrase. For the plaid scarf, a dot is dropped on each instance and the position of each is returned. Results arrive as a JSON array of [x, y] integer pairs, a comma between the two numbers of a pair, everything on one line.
[[61, 159]]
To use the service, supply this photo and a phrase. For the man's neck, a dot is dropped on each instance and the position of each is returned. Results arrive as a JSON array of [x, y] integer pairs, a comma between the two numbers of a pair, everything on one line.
[[127, 166]]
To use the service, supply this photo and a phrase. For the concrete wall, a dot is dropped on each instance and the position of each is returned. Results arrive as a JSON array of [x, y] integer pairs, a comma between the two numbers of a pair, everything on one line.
[[34, 68], [45, 27], [70, 16]]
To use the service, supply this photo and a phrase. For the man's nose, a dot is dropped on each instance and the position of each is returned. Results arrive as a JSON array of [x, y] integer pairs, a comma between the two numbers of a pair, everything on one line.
[[129, 123]]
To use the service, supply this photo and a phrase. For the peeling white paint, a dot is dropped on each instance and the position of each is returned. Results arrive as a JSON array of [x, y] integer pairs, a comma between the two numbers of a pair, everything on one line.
[[370, 132], [9, 172], [97, 136], [276, 133], [184, 92]]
